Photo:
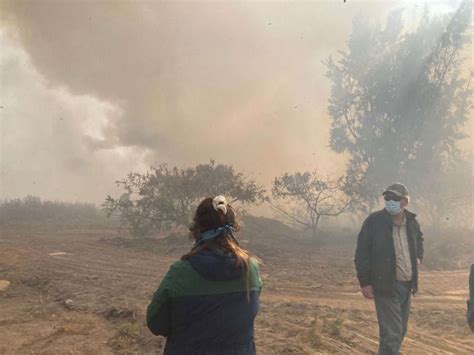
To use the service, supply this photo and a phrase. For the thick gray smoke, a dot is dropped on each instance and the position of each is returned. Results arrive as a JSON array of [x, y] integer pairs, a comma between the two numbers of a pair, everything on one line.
[[92, 90]]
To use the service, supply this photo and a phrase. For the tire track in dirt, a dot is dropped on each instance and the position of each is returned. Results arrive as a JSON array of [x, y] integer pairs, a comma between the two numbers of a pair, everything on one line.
[[448, 345], [418, 341], [411, 345], [329, 343]]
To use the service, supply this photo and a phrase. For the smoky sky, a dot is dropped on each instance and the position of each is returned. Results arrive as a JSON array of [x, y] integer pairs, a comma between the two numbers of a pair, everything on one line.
[[94, 89]]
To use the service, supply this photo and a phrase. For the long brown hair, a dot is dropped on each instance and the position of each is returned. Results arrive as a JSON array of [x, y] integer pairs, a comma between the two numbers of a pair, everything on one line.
[[206, 218]]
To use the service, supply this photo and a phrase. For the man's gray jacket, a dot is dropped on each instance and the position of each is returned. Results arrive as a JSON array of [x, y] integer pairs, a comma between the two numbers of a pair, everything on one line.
[[375, 253]]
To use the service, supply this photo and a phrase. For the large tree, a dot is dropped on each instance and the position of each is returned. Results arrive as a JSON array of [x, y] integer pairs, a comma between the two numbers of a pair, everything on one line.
[[164, 196], [399, 100]]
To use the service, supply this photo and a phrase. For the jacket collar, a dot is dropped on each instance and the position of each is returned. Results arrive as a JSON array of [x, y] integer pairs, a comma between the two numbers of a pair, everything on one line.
[[388, 218], [409, 215]]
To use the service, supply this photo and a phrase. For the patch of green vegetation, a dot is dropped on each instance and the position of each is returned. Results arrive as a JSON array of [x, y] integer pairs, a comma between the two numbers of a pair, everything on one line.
[[314, 338], [128, 337], [333, 327]]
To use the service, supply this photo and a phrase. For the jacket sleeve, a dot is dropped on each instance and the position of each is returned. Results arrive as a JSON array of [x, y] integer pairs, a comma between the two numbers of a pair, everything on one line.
[[471, 284], [470, 302], [158, 311], [362, 255], [419, 242]]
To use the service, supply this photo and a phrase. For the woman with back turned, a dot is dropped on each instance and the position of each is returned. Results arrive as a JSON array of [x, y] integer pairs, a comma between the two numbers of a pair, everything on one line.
[[207, 302]]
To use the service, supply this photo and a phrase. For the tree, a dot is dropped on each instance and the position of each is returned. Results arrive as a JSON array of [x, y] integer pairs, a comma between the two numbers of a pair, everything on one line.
[[165, 197], [399, 101], [309, 197]]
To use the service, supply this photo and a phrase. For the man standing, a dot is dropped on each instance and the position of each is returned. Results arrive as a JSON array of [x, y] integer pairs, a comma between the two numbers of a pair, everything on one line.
[[389, 249]]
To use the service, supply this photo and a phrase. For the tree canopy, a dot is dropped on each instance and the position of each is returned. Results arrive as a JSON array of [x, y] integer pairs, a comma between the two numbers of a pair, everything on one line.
[[309, 197], [164, 196], [399, 101]]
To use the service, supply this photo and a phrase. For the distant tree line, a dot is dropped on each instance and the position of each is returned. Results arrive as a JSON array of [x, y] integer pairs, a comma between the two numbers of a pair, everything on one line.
[[32, 210], [166, 197]]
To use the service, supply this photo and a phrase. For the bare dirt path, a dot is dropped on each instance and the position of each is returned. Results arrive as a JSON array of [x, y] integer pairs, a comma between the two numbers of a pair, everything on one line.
[[78, 293]]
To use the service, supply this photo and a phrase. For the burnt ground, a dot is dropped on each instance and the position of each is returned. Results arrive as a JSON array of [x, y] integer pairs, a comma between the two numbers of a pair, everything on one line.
[[86, 291]]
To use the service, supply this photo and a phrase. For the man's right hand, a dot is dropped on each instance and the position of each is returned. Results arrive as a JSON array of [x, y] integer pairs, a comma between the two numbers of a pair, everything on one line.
[[368, 292]]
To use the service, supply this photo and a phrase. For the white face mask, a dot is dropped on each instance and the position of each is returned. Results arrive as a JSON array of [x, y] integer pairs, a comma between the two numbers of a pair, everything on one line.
[[393, 207]]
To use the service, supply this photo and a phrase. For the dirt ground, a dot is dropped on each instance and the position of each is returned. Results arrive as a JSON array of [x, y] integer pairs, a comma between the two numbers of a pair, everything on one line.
[[81, 292]]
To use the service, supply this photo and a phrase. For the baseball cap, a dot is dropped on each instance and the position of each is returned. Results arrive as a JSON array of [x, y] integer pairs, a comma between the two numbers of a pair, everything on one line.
[[397, 189]]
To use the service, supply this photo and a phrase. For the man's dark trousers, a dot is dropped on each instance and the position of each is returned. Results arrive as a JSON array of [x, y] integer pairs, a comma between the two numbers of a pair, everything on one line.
[[392, 314]]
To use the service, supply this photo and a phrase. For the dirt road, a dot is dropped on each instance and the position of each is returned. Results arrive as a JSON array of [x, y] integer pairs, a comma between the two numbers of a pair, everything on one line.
[[80, 293]]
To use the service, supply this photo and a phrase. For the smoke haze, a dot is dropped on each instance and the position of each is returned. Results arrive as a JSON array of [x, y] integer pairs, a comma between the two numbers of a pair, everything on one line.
[[93, 90]]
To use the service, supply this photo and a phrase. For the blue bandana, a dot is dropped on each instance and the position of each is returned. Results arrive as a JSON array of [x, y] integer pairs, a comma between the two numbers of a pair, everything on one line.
[[214, 233]]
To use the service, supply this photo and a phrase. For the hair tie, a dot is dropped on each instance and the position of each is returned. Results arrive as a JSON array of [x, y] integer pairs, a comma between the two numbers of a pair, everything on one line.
[[220, 204]]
